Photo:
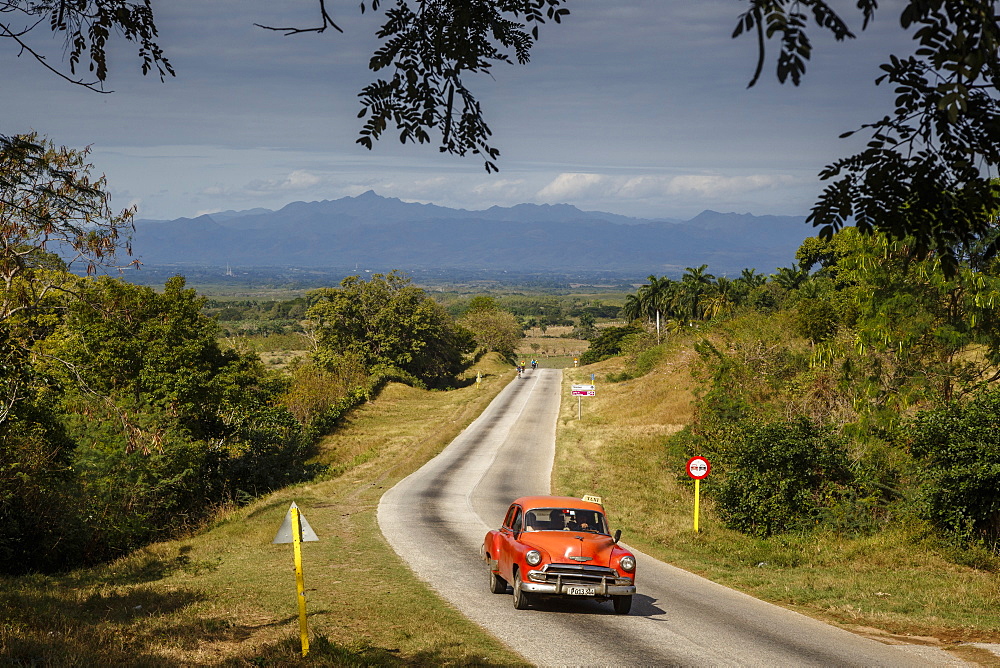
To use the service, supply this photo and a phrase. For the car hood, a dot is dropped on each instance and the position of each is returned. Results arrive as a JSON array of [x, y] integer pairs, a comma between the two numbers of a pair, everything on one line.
[[571, 547]]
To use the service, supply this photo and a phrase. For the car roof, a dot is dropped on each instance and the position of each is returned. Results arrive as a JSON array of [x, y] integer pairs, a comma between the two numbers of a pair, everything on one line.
[[529, 502]]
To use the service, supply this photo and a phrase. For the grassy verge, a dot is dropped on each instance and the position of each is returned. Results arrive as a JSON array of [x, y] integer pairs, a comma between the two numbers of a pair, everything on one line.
[[226, 596], [884, 585]]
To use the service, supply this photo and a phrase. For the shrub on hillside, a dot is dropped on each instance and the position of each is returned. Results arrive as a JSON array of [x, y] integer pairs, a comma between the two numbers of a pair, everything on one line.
[[314, 388], [642, 354], [959, 445], [781, 476], [816, 320], [38, 493], [611, 342]]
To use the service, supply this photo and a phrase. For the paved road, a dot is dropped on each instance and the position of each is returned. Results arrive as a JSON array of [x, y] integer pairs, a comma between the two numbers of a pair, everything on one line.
[[436, 519]]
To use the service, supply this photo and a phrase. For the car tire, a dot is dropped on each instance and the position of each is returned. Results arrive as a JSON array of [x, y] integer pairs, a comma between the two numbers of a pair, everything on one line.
[[497, 584], [622, 604], [522, 599]]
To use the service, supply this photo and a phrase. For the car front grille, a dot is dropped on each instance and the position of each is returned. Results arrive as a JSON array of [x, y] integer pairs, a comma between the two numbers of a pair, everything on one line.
[[579, 574]]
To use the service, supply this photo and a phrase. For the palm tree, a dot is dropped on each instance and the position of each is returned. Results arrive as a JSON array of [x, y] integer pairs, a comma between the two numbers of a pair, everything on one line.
[[721, 299], [695, 282], [752, 278], [790, 278], [654, 297], [748, 281], [632, 310]]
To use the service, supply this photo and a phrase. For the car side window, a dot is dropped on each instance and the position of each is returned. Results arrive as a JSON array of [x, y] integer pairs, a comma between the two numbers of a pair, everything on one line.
[[508, 521], [516, 525]]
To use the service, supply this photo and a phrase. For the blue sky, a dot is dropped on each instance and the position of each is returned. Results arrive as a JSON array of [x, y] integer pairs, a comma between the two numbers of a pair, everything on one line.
[[637, 107]]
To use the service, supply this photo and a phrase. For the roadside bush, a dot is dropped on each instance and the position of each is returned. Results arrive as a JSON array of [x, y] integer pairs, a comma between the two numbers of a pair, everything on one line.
[[959, 445], [134, 496], [314, 388], [780, 476], [135, 425], [609, 343]]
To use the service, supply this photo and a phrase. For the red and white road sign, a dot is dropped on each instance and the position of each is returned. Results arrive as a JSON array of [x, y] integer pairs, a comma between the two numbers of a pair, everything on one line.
[[698, 467]]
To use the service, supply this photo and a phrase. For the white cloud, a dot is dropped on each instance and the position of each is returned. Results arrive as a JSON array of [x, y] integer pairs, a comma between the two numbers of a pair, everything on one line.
[[299, 180], [646, 185], [569, 186], [717, 185], [503, 191], [433, 183], [576, 186]]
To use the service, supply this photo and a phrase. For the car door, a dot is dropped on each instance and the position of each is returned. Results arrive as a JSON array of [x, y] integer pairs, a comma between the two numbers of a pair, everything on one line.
[[508, 538]]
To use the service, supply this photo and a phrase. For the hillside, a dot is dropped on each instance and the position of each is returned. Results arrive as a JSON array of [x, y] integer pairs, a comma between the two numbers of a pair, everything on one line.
[[891, 585]]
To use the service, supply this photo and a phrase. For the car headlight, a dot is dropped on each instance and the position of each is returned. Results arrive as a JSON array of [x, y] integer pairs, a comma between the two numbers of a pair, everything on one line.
[[533, 558], [627, 563]]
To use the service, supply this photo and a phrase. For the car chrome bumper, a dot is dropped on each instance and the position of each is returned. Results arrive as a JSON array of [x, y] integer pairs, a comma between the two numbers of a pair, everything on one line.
[[561, 588], [548, 588]]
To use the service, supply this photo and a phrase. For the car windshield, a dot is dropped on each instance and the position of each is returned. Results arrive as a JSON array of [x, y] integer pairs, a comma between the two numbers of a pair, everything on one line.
[[564, 519]]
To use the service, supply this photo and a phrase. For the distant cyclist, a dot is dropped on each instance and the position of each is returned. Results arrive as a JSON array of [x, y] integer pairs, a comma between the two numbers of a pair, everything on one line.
[[534, 364]]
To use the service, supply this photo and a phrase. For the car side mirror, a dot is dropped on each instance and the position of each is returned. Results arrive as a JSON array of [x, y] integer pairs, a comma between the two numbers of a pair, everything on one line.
[[618, 535]]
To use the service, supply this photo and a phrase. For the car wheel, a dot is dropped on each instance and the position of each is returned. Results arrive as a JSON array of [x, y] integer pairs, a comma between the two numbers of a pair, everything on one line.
[[622, 604], [522, 599], [497, 584]]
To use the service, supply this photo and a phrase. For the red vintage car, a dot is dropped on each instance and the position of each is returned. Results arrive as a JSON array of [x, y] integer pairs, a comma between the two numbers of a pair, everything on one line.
[[559, 546]]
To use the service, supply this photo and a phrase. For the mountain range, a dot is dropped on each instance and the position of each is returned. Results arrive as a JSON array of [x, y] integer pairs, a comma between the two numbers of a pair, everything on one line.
[[382, 233]]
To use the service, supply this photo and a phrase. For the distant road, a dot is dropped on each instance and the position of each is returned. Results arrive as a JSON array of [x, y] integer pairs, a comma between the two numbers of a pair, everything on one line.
[[436, 519]]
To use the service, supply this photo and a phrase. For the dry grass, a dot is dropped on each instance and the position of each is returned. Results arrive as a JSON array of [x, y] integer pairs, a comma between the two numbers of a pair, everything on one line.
[[226, 596], [281, 359]]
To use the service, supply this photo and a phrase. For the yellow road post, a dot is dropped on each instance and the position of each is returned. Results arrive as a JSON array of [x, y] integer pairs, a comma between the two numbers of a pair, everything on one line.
[[295, 529], [697, 499], [299, 580]]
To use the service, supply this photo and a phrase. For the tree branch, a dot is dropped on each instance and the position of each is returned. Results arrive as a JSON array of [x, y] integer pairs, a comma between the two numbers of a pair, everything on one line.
[[6, 32], [327, 23]]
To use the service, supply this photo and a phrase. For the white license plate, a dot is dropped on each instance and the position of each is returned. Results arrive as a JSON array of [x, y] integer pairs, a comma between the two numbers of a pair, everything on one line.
[[581, 591]]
